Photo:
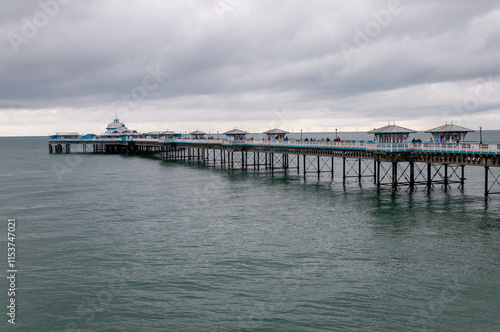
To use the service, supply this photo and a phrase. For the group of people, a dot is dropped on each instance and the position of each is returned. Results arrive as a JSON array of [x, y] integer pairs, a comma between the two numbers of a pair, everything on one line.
[[322, 140]]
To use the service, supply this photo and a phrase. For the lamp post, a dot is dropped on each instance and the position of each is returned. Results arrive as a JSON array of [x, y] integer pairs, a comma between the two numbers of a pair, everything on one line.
[[301, 134], [481, 135], [217, 134], [336, 136]]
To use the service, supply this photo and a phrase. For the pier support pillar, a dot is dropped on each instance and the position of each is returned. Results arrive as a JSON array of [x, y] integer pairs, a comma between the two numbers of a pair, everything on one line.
[[333, 163], [305, 167], [378, 162], [394, 176], [462, 177], [343, 170], [359, 170], [412, 175], [319, 167], [429, 176], [486, 189], [445, 177]]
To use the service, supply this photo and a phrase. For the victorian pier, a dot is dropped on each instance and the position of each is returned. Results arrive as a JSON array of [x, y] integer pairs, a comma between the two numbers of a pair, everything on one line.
[[388, 164]]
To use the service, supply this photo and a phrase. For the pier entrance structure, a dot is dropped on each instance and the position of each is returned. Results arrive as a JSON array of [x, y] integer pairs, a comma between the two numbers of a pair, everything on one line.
[[236, 134], [275, 134], [449, 133], [391, 134], [392, 165], [197, 134]]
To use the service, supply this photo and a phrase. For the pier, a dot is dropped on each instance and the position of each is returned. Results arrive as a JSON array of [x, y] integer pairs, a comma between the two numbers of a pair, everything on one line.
[[392, 165]]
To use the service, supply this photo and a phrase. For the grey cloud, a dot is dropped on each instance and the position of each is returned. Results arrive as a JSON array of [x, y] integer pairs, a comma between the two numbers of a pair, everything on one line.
[[258, 55]]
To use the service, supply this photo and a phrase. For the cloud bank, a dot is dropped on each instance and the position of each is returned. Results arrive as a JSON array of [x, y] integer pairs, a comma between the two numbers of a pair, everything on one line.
[[213, 65]]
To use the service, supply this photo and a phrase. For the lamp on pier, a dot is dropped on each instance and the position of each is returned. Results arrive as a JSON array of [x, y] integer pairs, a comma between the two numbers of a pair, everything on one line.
[[481, 135], [301, 134], [336, 136]]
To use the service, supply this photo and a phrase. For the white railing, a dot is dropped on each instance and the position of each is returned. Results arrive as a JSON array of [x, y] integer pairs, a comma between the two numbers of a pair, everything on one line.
[[468, 147]]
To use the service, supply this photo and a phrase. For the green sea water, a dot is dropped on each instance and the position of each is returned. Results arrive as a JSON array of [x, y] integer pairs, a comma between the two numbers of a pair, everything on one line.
[[120, 243]]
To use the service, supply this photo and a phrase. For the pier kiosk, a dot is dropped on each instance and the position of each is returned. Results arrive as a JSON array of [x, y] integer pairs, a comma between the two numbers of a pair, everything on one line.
[[392, 134], [197, 134], [236, 135], [152, 134], [449, 133], [275, 134], [72, 135], [168, 134]]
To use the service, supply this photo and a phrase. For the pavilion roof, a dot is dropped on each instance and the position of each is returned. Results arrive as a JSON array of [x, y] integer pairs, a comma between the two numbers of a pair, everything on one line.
[[449, 128], [235, 132], [276, 131], [392, 129], [197, 132]]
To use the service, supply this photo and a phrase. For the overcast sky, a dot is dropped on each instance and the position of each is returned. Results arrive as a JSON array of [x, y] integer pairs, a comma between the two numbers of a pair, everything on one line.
[[214, 65]]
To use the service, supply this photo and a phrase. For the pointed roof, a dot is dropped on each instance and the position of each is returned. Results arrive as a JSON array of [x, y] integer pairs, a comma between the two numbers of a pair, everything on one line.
[[392, 129], [235, 132], [449, 128], [276, 131], [197, 132], [169, 132]]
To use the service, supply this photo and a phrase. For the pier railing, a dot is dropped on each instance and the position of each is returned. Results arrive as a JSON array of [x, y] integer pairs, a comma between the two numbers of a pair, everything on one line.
[[468, 147]]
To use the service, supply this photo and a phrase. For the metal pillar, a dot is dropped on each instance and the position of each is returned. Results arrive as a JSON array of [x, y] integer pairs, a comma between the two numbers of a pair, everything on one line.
[[378, 162], [445, 177], [429, 176], [462, 178], [333, 160], [412, 175], [319, 167], [343, 170], [394, 176], [486, 190], [359, 170], [305, 168]]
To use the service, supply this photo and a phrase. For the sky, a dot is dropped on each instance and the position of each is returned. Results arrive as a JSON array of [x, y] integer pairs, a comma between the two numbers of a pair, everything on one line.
[[215, 65]]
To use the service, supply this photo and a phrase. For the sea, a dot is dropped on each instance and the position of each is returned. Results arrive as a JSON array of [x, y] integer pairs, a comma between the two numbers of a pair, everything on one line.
[[129, 243]]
